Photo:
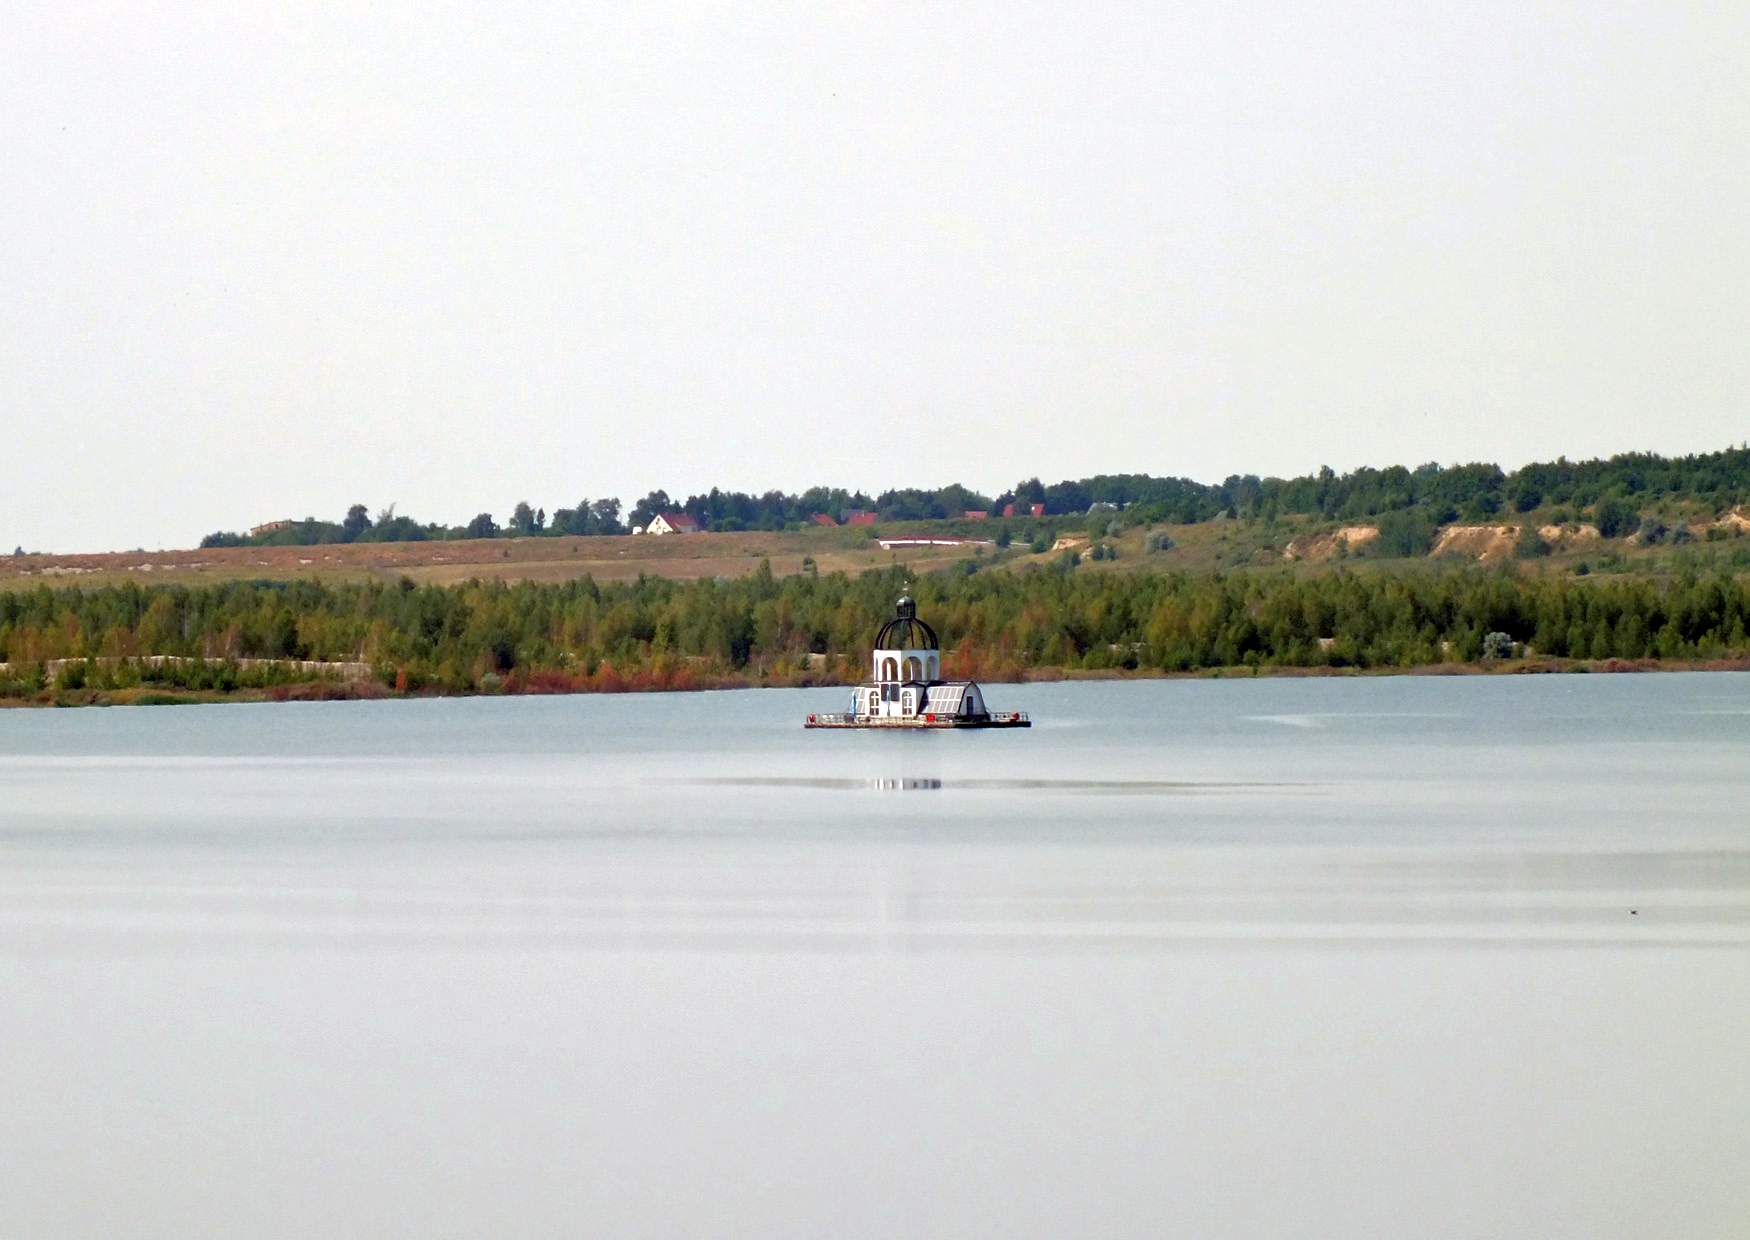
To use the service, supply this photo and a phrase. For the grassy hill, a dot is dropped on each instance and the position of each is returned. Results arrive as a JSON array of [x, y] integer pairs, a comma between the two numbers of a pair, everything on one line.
[[618, 558], [1676, 534]]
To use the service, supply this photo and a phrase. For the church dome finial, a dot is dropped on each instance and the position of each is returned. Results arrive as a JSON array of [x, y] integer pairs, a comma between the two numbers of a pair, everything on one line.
[[905, 631]]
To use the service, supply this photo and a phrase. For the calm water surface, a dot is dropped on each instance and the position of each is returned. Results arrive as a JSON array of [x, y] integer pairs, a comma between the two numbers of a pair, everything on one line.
[[1405, 957]]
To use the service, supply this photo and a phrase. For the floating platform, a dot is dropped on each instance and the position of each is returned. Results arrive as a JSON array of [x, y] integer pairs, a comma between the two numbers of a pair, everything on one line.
[[905, 688], [1007, 719]]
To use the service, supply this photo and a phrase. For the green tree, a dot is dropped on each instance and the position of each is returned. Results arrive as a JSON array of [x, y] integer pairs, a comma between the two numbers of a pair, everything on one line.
[[604, 517], [646, 509], [1613, 517], [357, 521]]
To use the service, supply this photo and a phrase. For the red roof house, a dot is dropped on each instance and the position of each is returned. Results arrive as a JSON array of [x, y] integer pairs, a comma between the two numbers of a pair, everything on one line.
[[824, 518], [674, 523], [859, 517]]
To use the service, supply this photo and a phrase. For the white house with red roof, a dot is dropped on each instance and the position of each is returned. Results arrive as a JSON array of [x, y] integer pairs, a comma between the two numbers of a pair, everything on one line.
[[673, 523]]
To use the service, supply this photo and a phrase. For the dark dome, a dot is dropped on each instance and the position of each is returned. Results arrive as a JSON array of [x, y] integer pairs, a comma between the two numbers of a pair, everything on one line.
[[905, 631]]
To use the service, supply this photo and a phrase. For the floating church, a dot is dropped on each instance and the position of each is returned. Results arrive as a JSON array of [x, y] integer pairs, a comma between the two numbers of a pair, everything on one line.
[[906, 689]]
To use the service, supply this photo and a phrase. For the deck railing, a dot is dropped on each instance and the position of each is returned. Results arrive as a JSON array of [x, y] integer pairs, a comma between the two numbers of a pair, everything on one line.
[[840, 720]]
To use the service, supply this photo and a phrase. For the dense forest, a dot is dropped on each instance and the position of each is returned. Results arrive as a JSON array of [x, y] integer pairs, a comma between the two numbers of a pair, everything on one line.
[[1434, 493], [657, 633]]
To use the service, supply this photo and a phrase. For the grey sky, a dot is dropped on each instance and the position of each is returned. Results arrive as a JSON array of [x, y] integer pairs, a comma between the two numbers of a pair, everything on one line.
[[266, 262]]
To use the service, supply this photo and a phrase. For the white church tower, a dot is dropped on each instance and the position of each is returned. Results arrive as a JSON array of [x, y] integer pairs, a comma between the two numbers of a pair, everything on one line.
[[905, 688], [907, 659]]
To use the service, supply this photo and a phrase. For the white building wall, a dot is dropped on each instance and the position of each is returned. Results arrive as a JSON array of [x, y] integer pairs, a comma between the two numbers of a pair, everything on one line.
[[922, 665]]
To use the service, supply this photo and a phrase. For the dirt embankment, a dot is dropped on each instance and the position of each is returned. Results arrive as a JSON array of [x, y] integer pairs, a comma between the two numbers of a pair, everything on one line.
[[1489, 544], [1317, 548], [1570, 535], [1733, 522]]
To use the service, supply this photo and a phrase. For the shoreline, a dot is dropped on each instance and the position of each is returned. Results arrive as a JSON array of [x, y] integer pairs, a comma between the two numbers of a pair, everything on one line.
[[372, 690]]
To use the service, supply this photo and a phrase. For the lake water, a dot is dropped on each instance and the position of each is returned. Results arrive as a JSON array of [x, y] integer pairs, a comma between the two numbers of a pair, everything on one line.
[[1259, 958]]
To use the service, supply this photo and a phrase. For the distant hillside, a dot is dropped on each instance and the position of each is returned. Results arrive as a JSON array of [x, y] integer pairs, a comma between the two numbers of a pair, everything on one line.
[[1615, 494]]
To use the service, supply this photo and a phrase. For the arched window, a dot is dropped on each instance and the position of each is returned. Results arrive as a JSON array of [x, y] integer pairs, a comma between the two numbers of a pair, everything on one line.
[[913, 669], [931, 670], [890, 668]]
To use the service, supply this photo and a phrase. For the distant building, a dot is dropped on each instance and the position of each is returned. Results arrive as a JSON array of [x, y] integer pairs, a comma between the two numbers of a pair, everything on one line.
[[976, 514], [890, 544], [269, 528], [858, 517], [824, 518], [673, 523], [1036, 510], [1008, 510]]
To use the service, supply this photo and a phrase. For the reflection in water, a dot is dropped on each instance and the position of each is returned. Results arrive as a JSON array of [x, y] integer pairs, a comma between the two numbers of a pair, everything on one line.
[[824, 784], [1118, 787], [906, 785]]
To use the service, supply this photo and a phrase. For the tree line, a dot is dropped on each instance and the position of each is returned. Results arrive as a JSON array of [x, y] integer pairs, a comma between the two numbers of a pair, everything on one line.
[[812, 628], [1619, 489]]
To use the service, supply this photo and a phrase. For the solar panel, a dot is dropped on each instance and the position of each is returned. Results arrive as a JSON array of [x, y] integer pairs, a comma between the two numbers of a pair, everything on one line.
[[944, 699]]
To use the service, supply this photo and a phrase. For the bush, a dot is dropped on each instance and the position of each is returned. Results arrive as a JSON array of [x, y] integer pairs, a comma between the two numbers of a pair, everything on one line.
[[1402, 534], [1497, 645], [1613, 517], [163, 699], [1161, 542], [1530, 544], [1652, 532]]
